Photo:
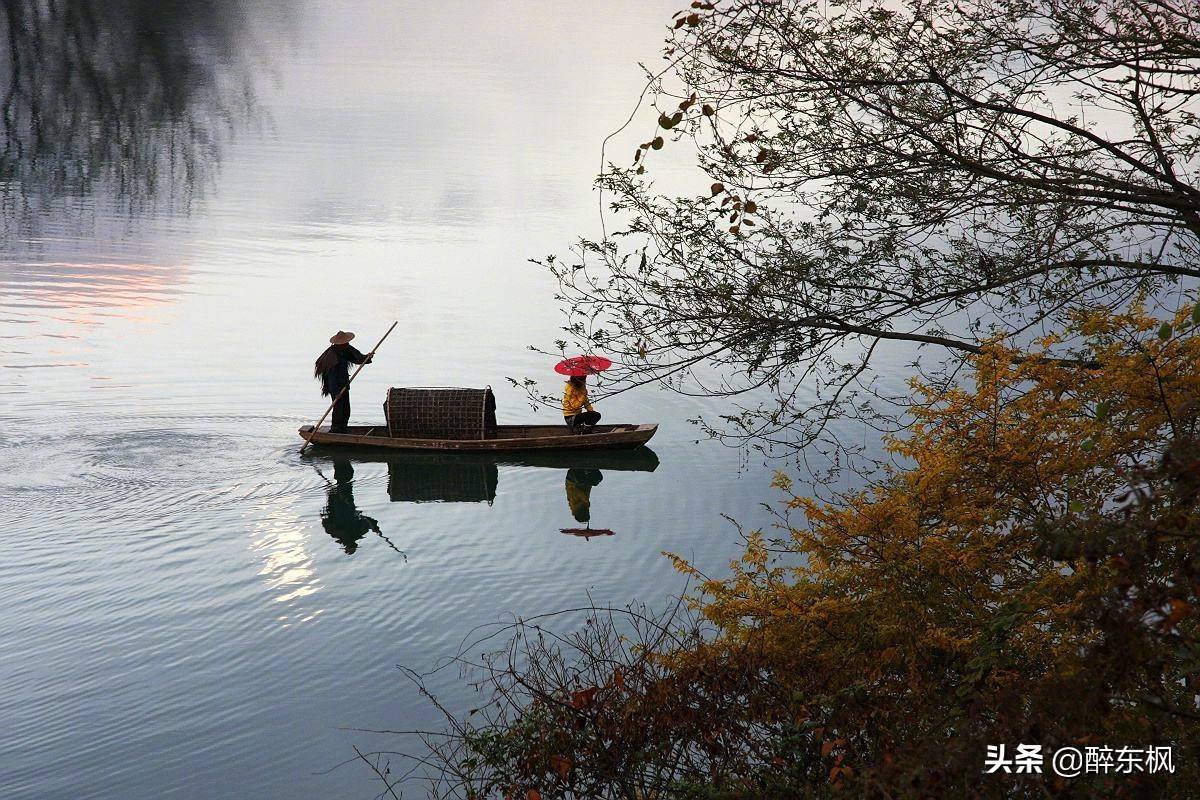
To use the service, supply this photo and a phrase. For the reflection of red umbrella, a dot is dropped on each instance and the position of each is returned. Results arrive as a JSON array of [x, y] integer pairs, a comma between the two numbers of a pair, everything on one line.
[[587, 533], [582, 365]]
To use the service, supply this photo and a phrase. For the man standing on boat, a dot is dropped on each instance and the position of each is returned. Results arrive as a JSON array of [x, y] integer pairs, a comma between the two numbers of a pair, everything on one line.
[[332, 369]]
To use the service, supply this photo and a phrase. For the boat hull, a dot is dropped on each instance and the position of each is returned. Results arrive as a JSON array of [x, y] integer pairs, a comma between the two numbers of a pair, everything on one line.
[[507, 438]]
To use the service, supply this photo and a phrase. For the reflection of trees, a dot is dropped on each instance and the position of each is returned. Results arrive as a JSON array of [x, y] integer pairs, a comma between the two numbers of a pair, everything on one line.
[[130, 97]]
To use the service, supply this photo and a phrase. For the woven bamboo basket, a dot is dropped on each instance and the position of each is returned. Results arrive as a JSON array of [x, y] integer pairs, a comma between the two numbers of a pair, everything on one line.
[[440, 413]]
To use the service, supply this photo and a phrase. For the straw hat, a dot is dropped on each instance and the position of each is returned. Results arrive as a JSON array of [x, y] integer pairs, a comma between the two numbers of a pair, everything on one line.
[[341, 337]]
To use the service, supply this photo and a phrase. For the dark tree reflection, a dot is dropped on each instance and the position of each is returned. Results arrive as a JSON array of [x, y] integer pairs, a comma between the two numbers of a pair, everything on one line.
[[133, 98]]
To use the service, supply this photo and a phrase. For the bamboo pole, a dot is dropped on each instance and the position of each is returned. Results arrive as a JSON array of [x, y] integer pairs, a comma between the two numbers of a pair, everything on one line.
[[345, 388]]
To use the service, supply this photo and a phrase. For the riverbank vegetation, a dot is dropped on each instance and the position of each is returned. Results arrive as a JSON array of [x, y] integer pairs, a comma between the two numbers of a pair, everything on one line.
[[1031, 578], [1008, 185]]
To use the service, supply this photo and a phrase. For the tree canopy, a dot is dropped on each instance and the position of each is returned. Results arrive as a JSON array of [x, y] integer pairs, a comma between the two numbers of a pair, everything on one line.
[[944, 174]]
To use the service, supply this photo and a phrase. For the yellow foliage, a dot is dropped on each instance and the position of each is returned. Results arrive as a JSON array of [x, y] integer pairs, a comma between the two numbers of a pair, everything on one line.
[[1029, 573], [977, 591]]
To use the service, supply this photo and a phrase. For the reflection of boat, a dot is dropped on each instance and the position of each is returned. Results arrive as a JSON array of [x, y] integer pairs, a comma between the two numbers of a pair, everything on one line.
[[502, 438], [640, 459], [441, 481], [473, 477]]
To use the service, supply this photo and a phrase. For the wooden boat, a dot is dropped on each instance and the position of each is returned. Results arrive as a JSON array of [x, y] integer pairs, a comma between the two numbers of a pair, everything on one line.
[[503, 438]]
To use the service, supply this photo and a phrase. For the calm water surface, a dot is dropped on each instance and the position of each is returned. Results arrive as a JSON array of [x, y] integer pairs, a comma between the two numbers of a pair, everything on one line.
[[188, 608]]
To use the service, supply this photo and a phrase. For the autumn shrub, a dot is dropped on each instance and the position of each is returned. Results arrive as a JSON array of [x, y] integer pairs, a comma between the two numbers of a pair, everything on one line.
[[1027, 574]]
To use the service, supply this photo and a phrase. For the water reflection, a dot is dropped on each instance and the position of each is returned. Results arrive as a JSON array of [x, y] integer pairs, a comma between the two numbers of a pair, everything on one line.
[[580, 482], [287, 566], [463, 478], [341, 518], [587, 534], [639, 459], [132, 99], [425, 481]]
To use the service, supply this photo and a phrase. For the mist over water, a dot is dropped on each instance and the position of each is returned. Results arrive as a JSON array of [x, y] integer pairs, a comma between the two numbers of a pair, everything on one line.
[[194, 197]]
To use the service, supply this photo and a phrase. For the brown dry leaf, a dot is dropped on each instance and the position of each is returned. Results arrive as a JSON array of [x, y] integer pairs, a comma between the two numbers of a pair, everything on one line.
[[828, 746], [670, 122], [561, 765], [584, 697]]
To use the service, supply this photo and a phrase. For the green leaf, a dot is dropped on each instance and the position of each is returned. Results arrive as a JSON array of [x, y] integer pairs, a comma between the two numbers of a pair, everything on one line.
[[1165, 331]]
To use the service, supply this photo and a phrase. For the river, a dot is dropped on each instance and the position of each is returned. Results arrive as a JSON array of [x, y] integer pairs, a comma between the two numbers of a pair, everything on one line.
[[188, 607]]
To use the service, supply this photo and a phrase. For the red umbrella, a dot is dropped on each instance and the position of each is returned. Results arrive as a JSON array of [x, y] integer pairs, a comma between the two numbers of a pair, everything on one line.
[[582, 365]]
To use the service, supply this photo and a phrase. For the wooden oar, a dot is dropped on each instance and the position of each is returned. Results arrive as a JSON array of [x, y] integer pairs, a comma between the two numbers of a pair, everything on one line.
[[346, 388]]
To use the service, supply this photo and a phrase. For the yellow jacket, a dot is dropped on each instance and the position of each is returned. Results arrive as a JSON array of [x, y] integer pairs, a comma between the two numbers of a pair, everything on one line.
[[574, 399]]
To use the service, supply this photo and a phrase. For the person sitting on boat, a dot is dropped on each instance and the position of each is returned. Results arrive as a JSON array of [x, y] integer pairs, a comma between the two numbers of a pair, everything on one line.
[[577, 409], [332, 369]]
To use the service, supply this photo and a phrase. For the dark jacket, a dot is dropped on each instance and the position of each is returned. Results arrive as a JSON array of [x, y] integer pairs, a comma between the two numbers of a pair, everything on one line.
[[337, 377]]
